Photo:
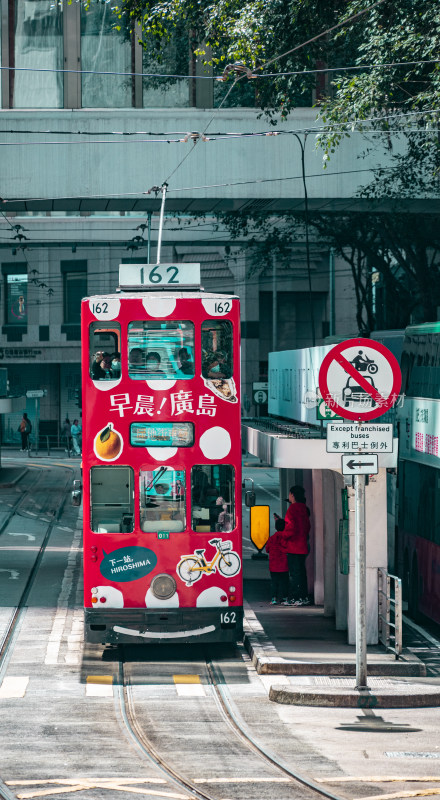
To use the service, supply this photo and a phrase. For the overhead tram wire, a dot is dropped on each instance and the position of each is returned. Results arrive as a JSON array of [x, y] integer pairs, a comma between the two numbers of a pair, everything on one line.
[[232, 135]]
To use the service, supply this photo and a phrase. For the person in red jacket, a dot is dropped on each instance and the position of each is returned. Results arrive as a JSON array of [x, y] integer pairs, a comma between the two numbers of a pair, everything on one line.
[[278, 566], [296, 538]]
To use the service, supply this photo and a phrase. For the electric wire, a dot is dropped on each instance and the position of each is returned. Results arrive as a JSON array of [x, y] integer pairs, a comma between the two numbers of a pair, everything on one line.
[[176, 76]]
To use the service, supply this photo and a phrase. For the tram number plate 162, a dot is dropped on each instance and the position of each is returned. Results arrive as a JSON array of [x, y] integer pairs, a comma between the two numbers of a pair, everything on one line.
[[228, 619], [159, 275]]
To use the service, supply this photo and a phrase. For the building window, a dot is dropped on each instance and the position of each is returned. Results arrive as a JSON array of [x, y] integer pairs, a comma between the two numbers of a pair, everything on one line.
[[74, 289], [172, 60], [36, 36], [105, 49], [16, 310]]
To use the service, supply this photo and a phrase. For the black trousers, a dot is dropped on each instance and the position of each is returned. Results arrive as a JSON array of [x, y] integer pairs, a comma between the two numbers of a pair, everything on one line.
[[279, 584], [298, 575]]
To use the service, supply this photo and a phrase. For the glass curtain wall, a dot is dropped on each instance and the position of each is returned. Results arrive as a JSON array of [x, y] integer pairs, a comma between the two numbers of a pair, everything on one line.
[[37, 32], [104, 49], [173, 59]]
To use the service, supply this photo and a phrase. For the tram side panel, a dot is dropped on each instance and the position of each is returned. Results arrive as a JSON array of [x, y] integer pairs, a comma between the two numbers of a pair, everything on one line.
[[162, 469]]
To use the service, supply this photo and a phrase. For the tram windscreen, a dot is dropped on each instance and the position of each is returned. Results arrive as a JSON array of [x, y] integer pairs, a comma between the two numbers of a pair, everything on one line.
[[162, 434], [161, 350], [212, 498], [162, 499]]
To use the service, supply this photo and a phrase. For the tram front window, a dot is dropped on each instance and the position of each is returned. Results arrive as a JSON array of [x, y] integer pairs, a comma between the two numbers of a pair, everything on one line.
[[212, 498], [160, 350], [112, 499], [105, 351], [162, 498]]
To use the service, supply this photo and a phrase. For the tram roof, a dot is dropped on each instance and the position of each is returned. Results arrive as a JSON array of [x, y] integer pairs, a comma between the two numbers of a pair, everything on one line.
[[424, 328], [134, 295]]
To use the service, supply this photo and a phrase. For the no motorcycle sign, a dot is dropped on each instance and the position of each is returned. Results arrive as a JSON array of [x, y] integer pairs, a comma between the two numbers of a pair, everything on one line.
[[360, 379]]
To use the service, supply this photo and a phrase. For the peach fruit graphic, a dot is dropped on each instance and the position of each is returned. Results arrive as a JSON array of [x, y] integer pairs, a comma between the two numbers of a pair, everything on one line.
[[108, 443]]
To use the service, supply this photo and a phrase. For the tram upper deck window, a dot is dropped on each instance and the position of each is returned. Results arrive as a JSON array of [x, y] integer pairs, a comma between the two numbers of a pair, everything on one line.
[[105, 351], [160, 350], [162, 498], [217, 354], [112, 499], [212, 498]]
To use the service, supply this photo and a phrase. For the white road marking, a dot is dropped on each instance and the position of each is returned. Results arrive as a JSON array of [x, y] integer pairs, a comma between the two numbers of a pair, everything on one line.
[[190, 690], [99, 690], [56, 634], [29, 535], [276, 496], [13, 687]]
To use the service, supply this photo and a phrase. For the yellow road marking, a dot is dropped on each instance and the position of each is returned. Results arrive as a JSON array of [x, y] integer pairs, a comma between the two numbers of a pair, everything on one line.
[[99, 686], [186, 678]]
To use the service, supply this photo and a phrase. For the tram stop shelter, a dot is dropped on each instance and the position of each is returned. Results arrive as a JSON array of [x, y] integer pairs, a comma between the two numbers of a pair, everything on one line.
[[294, 446]]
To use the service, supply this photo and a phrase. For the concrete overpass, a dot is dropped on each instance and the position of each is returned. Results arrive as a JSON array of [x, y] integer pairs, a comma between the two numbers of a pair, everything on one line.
[[48, 166]]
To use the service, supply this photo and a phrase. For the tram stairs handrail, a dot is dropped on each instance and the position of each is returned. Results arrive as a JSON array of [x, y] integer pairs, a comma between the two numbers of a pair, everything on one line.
[[390, 611]]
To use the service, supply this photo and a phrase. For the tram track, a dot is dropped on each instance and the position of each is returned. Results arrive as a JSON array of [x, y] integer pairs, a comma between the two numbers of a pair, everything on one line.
[[296, 785], [18, 610]]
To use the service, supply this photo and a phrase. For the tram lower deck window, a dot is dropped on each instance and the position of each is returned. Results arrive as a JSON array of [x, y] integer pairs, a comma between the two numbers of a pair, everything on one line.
[[162, 498], [212, 498], [112, 499], [161, 350]]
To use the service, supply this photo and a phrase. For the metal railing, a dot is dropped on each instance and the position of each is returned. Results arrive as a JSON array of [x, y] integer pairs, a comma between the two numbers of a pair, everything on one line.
[[390, 611]]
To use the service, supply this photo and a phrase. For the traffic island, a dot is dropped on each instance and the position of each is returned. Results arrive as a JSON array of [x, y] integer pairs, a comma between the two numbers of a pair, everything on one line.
[[380, 694]]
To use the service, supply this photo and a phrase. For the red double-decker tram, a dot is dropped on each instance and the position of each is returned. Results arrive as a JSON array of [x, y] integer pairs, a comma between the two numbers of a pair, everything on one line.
[[161, 461]]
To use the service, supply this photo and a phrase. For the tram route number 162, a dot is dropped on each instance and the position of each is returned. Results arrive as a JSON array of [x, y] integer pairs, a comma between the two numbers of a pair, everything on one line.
[[228, 619]]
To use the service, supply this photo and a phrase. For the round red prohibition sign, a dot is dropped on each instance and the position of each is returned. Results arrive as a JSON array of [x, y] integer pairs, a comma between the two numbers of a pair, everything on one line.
[[360, 379]]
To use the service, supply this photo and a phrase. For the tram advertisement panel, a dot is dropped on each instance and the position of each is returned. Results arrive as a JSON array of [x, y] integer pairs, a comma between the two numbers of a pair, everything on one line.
[[161, 452]]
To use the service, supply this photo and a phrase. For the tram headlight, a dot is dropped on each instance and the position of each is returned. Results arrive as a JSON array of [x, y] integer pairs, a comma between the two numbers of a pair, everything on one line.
[[163, 586]]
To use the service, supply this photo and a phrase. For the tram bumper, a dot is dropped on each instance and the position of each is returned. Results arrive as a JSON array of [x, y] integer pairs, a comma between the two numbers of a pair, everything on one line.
[[186, 626]]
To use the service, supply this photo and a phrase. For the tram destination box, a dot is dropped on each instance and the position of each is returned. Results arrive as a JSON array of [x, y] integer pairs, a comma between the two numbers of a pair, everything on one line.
[[159, 276]]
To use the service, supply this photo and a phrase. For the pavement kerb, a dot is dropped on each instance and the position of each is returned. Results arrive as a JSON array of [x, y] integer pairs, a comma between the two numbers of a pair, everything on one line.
[[21, 472], [267, 661], [395, 697]]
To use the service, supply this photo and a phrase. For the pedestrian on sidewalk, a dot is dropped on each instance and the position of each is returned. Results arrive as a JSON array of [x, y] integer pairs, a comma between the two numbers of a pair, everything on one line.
[[65, 432], [75, 431], [296, 538], [278, 565], [25, 429]]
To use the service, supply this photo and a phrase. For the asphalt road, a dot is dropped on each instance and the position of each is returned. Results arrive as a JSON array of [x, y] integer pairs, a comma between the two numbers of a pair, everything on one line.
[[62, 733]]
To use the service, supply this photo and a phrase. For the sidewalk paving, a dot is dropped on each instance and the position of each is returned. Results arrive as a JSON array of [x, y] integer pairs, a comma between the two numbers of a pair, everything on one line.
[[318, 664]]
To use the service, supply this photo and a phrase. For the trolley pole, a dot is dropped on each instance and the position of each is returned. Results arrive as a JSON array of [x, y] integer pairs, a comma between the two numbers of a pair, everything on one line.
[[360, 582], [162, 211]]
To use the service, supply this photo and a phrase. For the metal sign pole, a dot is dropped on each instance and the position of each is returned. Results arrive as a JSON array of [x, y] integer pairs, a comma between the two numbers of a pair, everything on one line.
[[360, 582]]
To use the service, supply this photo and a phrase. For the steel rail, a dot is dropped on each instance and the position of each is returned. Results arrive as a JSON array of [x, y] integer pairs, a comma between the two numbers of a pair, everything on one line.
[[11, 627], [128, 714], [230, 716]]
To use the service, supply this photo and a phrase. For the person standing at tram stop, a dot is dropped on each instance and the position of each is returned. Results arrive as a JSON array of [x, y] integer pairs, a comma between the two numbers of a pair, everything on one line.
[[296, 538], [75, 431], [24, 430], [278, 564]]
